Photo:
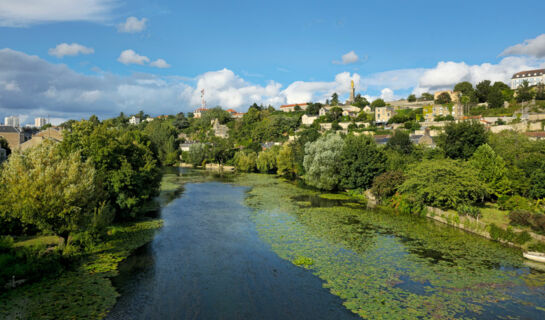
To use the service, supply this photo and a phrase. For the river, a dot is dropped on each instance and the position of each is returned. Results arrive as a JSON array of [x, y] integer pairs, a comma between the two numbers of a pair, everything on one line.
[[254, 247]]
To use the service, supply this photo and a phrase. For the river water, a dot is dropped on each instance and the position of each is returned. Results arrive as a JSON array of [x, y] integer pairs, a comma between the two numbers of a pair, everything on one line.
[[225, 252]]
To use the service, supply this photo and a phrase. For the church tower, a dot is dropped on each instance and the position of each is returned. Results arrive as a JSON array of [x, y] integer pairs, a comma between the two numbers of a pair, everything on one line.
[[352, 92]]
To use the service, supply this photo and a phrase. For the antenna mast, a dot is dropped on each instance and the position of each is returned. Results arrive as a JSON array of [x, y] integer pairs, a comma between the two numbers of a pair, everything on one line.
[[203, 102]]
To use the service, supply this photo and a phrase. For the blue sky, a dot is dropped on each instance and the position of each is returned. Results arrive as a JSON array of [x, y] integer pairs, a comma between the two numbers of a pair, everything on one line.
[[242, 52]]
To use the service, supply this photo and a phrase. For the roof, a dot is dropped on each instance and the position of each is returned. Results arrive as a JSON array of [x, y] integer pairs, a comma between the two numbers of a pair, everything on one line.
[[538, 134], [529, 73], [201, 109], [9, 129], [293, 105], [231, 111]]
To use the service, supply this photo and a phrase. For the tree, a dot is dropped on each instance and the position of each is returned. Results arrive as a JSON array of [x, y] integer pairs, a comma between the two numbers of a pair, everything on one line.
[[482, 90], [495, 98], [400, 142], [465, 100], [221, 150], [524, 92], [466, 88], [335, 99], [181, 122], [460, 140], [491, 170], [297, 108], [426, 96], [5, 145], [443, 98], [540, 91], [55, 192], [313, 109], [386, 184], [322, 162], [537, 184], [377, 103], [360, 162], [360, 101], [266, 160], [411, 98], [197, 154], [446, 184], [164, 137], [334, 114], [245, 161], [285, 161]]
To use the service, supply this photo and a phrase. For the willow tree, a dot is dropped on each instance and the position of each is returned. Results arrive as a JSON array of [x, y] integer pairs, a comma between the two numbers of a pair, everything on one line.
[[322, 162], [53, 192]]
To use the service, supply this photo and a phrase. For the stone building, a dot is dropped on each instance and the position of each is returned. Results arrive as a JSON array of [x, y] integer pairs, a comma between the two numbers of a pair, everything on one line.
[[534, 77], [383, 114], [13, 135]]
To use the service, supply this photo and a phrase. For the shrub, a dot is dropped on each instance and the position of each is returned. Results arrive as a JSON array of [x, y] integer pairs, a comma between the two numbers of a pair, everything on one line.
[[6, 243], [468, 210], [520, 217], [538, 221], [386, 184], [516, 202]]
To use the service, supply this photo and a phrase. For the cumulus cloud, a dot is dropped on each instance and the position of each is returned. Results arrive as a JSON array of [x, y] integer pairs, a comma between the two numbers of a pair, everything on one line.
[[305, 91], [530, 47], [387, 94], [348, 58], [446, 74], [132, 25], [73, 49], [160, 63], [131, 57], [22, 13]]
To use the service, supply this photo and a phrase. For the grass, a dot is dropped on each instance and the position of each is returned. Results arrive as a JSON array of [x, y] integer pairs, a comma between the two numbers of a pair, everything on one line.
[[335, 196], [35, 241], [85, 292]]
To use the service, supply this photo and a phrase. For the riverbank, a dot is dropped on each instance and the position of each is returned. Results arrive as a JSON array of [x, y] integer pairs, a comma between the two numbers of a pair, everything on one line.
[[210, 166], [86, 291]]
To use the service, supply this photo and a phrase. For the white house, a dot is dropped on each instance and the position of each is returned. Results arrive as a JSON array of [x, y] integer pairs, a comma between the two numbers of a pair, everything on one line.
[[308, 120], [134, 120], [534, 77]]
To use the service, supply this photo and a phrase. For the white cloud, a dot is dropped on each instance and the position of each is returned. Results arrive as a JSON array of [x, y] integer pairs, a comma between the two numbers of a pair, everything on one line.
[[21, 13], [160, 63], [131, 57], [446, 74], [132, 25], [387, 94], [10, 86], [302, 91], [530, 47], [65, 49], [348, 58]]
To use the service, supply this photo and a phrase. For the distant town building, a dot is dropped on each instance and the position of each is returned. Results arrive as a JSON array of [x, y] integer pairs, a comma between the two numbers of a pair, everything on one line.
[[367, 109], [134, 120], [383, 114], [454, 95], [235, 114], [308, 120], [51, 133], [291, 107], [40, 122], [534, 77], [198, 113], [13, 135], [352, 93], [431, 111], [220, 130], [12, 121]]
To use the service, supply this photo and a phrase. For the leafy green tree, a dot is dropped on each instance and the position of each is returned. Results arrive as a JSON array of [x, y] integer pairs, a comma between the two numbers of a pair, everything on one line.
[[360, 102], [495, 98], [537, 184], [5, 145], [55, 192], [466, 88], [491, 170], [360, 162], [164, 139], [446, 184], [298, 147], [443, 98], [286, 162], [411, 98], [334, 114], [245, 161], [460, 140], [181, 122], [400, 142], [386, 184], [266, 160], [198, 154], [524, 92], [124, 160], [221, 150], [313, 109], [377, 103], [540, 91], [426, 96], [335, 99], [322, 162], [482, 90], [297, 108]]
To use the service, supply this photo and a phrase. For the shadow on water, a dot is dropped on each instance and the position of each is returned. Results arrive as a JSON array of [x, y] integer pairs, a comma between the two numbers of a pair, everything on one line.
[[208, 262]]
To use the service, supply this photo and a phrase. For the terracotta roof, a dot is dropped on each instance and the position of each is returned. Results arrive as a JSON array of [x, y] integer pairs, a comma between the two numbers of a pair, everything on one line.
[[538, 134], [529, 73], [293, 105], [231, 111]]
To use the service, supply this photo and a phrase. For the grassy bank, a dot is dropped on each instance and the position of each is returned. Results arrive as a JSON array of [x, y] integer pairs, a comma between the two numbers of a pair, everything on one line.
[[85, 292]]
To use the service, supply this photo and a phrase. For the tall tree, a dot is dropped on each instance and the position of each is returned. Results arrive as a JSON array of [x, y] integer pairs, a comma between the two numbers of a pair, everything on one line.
[[322, 162], [443, 98], [411, 98], [482, 90], [460, 140], [334, 99], [360, 162], [400, 142], [495, 98], [466, 88], [524, 92]]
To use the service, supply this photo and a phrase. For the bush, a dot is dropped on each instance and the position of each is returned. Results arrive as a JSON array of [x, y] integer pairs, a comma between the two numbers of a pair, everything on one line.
[[497, 233], [468, 210], [520, 217], [6, 243], [386, 184], [515, 203]]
